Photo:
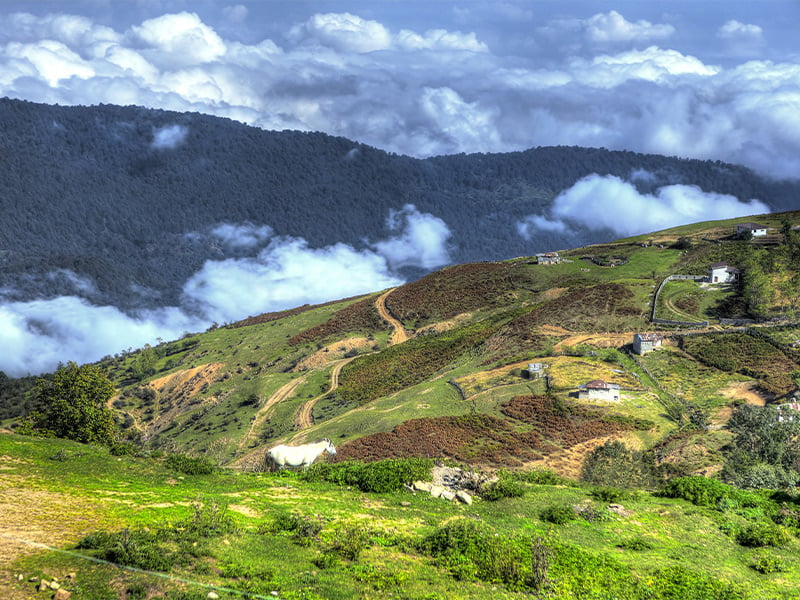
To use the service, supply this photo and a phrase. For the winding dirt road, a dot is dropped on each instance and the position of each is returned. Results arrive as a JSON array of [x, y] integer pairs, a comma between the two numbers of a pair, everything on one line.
[[400, 334], [281, 394], [304, 418]]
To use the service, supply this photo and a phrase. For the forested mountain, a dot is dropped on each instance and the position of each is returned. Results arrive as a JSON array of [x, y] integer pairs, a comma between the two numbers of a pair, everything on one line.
[[113, 194]]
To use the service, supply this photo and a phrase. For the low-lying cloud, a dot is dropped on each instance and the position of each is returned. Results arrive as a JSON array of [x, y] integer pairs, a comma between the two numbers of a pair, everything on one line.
[[169, 136], [600, 202], [286, 272]]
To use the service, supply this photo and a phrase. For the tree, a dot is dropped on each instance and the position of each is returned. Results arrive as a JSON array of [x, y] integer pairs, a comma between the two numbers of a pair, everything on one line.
[[74, 405]]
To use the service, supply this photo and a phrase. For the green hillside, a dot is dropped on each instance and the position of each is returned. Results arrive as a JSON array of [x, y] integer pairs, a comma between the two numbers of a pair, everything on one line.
[[480, 367]]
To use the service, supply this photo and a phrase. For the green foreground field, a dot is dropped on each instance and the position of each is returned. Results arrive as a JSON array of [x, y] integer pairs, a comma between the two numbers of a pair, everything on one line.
[[644, 547]]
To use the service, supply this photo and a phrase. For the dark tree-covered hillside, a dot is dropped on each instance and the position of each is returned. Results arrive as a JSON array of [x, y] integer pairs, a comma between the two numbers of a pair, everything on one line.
[[84, 190]]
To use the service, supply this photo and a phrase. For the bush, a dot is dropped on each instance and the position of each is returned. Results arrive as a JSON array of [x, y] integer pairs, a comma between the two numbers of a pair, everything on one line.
[[699, 490], [349, 542], [614, 464], [768, 564], [612, 495], [638, 544], [378, 477], [190, 465], [503, 488], [559, 514], [763, 533], [471, 550], [304, 529]]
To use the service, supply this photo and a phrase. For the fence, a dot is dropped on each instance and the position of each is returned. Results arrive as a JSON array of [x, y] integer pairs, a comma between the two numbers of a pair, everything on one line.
[[655, 302]]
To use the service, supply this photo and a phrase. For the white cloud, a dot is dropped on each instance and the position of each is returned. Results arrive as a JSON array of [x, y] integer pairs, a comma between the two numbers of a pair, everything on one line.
[[432, 91], [179, 39], [607, 202], [734, 30], [242, 235], [343, 32], [528, 226], [421, 241], [613, 27], [169, 136], [37, 335]]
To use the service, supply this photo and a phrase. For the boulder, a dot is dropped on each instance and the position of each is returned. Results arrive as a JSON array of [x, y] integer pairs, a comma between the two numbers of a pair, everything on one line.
[[448, 495], [437, 490], [464, 497], [422, 486], [62, 594]]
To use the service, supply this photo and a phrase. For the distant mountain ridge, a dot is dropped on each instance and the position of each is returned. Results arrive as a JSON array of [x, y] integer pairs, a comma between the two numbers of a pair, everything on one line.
[[101, 201]]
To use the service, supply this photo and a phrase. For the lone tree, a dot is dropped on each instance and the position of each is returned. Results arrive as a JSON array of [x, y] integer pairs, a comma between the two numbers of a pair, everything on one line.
[[74, 405]]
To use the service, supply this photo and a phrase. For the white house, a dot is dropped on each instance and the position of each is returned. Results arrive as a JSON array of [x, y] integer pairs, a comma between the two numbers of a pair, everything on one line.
[[722, 273], [646, 342], [548, 258], [599, 390], [753, 229]]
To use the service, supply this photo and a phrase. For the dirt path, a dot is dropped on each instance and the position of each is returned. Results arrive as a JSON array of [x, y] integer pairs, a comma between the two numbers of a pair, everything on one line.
[[303, 418], [400, 334], [280, 395]]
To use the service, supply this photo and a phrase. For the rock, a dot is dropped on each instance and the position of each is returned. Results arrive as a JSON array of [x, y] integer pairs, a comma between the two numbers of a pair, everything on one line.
[[54, 585], [464, 497], [44, 585], [405, 504], [212, 595], [448, 495], [33, 579], [422, 486], [62, 594], [619, 510], [72, 576], [20, 577], [436, 490]]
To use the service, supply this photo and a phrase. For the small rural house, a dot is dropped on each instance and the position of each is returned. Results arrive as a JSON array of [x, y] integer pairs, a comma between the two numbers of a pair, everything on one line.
[[548, 258], [722, 273], [535, 370], [646, 342], [599, 390], [753, 229]]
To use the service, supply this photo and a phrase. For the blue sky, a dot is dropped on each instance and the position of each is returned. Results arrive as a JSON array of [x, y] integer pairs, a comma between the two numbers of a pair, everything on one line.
[[705, 79]]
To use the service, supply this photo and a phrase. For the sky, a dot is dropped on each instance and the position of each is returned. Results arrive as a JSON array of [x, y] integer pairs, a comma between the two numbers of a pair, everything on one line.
[[717, 80]]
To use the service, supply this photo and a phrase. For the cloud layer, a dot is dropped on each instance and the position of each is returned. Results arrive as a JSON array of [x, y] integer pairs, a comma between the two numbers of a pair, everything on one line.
[[603, 79], [282, 273], [609, 203]]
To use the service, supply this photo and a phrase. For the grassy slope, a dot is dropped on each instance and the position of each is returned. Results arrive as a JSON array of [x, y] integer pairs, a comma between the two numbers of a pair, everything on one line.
[[129, 492]]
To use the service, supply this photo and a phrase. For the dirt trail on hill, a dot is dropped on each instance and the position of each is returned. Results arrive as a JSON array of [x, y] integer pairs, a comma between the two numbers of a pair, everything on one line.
[[280, 395], [303, 418], [400, 334]]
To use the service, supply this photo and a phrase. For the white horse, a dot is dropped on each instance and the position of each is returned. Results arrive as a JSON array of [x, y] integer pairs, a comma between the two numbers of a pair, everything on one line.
[[296, 456]]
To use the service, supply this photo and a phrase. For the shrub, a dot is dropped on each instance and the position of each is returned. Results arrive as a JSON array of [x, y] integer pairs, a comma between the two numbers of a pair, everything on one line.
[[610, 494], [350, 541], [559, 514], [614, 464], [303, 528], [699, 490], [379, 477], [637, 544], [763, 533], [207, 520], [768, 564], [503, 488], [471, 550], [190, 465]]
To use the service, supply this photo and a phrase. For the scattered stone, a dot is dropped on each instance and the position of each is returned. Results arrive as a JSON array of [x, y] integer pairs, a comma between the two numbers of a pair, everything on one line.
[[464, 497], [54, 585], [33, 579], [619, 510], [422, 486], [405, 504], [212, 595], [62, 594], [44, 585], [273, 593], [20, 577], [448, 495], [437, 490], [72, 575]]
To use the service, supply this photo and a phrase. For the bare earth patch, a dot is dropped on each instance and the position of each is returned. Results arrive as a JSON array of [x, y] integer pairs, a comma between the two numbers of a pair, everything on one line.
[[29, 517], [332, 352], [743, 390]]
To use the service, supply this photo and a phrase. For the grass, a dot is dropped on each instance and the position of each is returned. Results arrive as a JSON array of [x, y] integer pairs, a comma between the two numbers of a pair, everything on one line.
[[691, 301], [139, 492]]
